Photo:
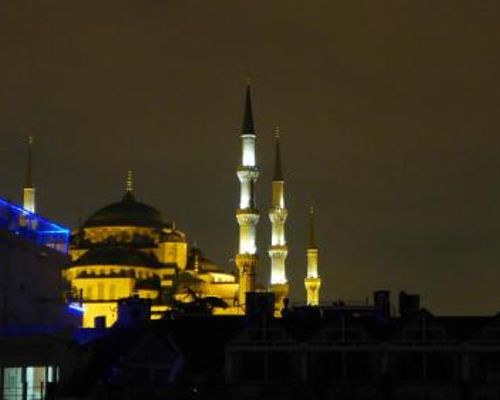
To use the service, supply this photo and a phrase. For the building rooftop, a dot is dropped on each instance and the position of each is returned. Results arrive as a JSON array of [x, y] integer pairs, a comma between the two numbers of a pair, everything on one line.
[[31, 226]]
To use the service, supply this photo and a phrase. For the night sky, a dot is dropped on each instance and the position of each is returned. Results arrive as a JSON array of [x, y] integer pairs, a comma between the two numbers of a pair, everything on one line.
[[388, 111]]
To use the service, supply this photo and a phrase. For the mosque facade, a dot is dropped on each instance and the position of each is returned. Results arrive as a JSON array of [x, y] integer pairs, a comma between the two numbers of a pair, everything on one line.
[[129, 248]]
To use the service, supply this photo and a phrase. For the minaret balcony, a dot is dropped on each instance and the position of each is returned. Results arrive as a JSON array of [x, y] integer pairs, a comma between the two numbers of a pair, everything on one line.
[[247, 216], [312, 283], [278, 252], [246, 261], [278, 215], [247, 172]]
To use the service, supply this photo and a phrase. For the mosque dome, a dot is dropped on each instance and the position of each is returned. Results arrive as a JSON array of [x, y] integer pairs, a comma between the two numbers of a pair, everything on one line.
[[127, 212]]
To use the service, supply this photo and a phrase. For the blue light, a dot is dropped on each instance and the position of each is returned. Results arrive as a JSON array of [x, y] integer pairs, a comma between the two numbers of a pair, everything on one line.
[[76, 307], [33, 227]]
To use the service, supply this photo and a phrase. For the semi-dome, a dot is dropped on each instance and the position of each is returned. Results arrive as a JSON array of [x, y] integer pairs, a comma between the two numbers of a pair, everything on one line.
[[127, 212], [117, 256]]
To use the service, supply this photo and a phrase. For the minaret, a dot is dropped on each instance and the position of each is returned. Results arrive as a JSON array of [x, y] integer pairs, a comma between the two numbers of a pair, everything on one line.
[[278, 214], [29, 190], [247, 214], [312, 282]]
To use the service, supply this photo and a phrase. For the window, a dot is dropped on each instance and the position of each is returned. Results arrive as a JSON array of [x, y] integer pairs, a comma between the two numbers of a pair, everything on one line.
[[35, 380], [112, 292], [100, 291], [13, 383]]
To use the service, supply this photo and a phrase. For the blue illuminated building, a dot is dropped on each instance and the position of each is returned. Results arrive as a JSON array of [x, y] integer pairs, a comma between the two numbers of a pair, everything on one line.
[[34, 313], [33, 250], [33, 227]]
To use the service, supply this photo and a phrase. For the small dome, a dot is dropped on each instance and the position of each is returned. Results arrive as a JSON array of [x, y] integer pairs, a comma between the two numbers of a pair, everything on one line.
[[127, 212], [117, 256], [204, 264], [172, 236]]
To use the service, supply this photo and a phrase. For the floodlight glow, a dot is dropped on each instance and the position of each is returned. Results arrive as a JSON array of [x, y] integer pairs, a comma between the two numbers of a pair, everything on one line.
[[32, 226], [248, 151], [76, 307]]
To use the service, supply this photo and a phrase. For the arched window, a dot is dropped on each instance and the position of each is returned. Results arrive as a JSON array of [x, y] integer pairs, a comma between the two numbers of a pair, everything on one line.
[[112, 292], [89, 293], [100, 291]]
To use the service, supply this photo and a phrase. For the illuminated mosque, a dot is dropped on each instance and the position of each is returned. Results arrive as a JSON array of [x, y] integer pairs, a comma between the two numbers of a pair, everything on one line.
[[129, 248]]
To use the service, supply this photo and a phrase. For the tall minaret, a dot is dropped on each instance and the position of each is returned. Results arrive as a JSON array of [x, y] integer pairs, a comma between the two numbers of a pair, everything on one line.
[[247, 214], [29, 190], [278, 214], [312, 282]]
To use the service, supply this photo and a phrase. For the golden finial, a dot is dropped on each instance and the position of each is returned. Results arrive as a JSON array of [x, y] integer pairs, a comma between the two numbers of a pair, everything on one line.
[[248, 78], [278, 169], [28, 181], [277, 132], [312, 233], [130, 182]]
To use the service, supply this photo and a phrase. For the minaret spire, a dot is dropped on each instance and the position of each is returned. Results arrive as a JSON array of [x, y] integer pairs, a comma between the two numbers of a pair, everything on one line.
[[28, 182], [129, 184], [278, 250], [247, 127], [247, 214], [312, 233], [278, 169], [312, 282], [29, 190]]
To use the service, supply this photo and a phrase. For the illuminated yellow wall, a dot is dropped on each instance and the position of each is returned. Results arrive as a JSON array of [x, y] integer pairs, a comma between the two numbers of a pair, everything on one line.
[[102, 285], [166, 275], [219, 284], [93, 310], [107, 271], [147, 293], [226, 291], [122, 234], [75, 254], [173, 253], [104, 289], [100, 289]]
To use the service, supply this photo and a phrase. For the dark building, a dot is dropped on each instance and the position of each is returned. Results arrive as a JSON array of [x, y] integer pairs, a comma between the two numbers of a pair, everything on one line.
[[337, 354], [336, 351], [32, 252], [34, 314]]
